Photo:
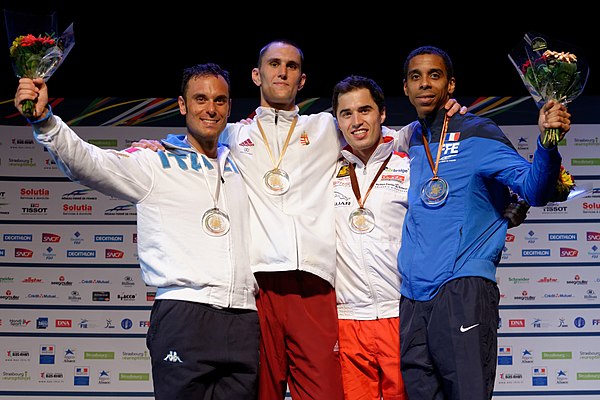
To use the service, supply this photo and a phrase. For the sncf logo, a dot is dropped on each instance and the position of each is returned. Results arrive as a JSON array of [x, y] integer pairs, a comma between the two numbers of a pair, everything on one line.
[[112, 253], [23, 253], [592, 236], [50, 238], [567, 252], [510, 237]]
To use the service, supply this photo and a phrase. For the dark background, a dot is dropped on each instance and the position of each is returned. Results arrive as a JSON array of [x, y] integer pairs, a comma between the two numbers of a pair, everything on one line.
[[137, 49]]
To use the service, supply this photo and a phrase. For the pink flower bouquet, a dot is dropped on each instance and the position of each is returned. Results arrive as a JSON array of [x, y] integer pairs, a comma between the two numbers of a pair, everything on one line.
[[550, 70]]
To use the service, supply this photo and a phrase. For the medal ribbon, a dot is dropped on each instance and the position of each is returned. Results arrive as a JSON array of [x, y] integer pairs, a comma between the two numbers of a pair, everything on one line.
[[218, 188], [354, 182], [434, 169], [285, 145]]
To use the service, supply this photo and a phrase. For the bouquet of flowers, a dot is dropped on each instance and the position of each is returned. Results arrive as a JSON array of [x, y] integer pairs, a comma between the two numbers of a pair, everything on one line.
[[36, 55], [550, 74], [564, 185]]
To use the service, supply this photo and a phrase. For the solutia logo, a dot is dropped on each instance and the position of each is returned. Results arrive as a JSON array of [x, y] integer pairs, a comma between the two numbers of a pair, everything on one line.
[[39, 194], [77, 209], [591, 207]]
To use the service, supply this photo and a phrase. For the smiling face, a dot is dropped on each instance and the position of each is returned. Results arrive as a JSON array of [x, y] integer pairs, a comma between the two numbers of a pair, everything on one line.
[[427, 84], [359, 118], [206, 108], [279, 76]]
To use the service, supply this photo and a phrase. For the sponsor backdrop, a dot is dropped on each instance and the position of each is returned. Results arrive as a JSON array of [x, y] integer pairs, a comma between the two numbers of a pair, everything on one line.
[[74, 311]]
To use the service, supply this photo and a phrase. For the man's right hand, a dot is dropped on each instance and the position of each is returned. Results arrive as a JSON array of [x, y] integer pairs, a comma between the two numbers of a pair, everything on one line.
[[151, 144], [36, 91]]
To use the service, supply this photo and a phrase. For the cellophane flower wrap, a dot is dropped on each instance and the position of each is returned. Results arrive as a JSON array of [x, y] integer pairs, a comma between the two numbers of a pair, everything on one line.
[[550, 70], [36, 51]]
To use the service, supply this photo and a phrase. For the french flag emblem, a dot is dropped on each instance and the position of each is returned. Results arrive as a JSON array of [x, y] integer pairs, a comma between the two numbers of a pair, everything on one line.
[[453, 136]]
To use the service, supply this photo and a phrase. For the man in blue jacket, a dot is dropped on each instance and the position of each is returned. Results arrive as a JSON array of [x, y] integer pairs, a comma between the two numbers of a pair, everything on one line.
[[454, 233]]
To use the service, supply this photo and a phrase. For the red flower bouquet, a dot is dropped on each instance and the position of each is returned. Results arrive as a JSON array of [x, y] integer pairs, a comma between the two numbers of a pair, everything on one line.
[[36, 56]]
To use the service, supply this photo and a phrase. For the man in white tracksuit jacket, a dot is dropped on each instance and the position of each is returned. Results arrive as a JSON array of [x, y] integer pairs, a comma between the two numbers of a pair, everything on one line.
[[373, 175], [193, 231]]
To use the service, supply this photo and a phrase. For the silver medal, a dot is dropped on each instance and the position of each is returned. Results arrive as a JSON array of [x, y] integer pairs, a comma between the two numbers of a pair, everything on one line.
[[434, 192], [277, 182], [361, 221], [215, 222]]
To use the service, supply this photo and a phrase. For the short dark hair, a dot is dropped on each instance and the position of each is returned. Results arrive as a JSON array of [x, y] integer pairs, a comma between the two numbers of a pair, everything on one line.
[[262, 51], [430, 50], [203, 70], [354, 82]]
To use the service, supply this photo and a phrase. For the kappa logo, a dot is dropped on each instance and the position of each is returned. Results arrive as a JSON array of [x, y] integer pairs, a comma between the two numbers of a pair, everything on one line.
[[468, 328], [172, 357]]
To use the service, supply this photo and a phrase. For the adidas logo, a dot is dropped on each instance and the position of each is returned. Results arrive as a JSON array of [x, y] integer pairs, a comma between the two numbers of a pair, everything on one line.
[[247, 142], [336, 347], [172, 357]]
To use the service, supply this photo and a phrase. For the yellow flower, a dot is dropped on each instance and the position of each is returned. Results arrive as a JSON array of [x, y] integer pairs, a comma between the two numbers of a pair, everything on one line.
[[565, 184]]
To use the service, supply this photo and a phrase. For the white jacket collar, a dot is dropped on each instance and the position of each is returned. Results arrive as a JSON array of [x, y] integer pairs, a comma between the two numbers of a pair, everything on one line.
[[268, 114], [381, 153]]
